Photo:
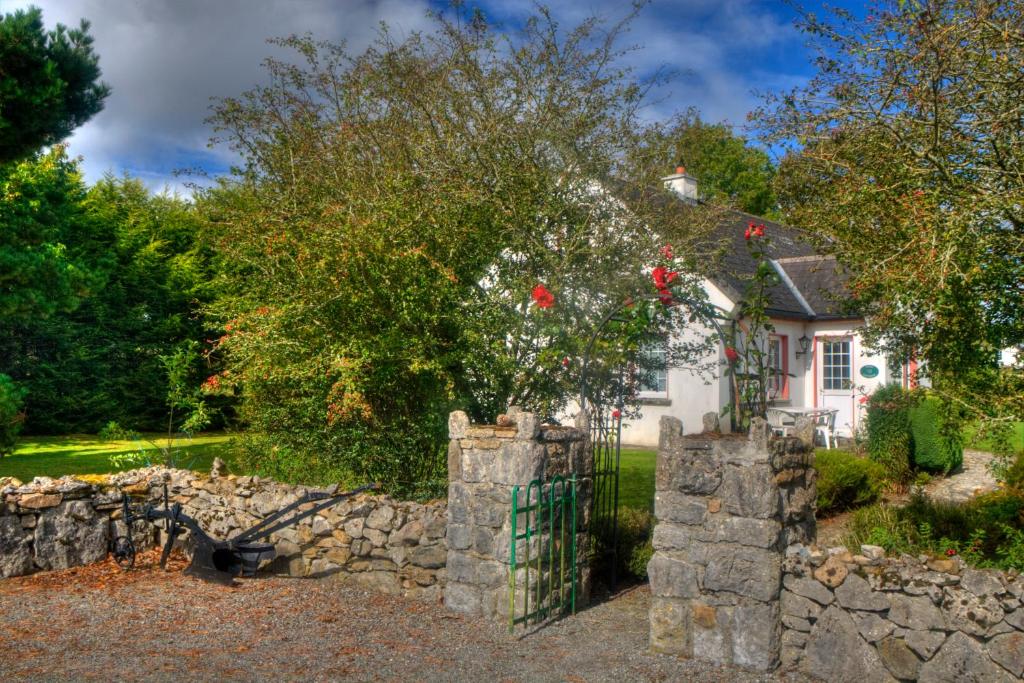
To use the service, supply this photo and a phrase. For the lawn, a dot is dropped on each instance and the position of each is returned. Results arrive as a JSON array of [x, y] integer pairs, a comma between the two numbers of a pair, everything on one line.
[[636, 478], [55, 456], [985, 444]]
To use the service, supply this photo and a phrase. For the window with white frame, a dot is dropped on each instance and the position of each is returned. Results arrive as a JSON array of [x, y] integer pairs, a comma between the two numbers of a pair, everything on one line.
[[653, 369], [778, 384], [836, 365]]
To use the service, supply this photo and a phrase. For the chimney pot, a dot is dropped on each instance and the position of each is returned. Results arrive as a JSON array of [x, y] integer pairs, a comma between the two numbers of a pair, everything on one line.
[[680, 169]]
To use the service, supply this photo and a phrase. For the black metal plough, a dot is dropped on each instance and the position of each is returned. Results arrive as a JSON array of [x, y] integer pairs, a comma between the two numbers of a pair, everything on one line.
[[213, 558]]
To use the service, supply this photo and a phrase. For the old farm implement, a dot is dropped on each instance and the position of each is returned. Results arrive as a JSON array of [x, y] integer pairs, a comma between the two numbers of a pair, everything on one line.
[[213, 558]]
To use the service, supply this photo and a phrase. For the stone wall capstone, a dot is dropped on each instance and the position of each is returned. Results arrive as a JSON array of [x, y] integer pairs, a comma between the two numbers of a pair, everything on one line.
[[485, 463], [726, 507], [387, 545]]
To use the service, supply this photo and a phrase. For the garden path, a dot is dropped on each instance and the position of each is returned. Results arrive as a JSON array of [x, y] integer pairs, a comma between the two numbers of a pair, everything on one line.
[[973, 478]]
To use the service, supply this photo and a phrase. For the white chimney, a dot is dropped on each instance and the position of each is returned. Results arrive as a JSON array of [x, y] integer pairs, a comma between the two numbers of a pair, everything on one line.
[[682, 184]]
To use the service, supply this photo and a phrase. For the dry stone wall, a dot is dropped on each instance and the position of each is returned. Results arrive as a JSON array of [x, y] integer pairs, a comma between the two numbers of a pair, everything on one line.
[[726, 508], [485, 463], [387, 545], [868, 617]]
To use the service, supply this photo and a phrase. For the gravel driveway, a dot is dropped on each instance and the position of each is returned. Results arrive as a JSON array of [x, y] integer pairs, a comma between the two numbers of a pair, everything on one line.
[[96, 623]]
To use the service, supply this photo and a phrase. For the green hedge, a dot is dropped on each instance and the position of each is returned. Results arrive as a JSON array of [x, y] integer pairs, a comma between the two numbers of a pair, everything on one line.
[[937, 446], [846, 480], [11, 417], [889, 436]]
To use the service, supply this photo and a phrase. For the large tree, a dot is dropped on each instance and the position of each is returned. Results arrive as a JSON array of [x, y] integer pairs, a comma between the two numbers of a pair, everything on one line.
[[727, 167], [395, 213], [906, 159], [49, 82]]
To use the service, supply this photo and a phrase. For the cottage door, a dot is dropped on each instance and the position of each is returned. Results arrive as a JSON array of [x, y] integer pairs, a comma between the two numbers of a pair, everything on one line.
[[834, 377]]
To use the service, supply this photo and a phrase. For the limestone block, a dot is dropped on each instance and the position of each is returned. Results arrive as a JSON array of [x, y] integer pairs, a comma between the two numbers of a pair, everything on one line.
[[981, 582], [674, 536], [755, 631], [750, 491], [970, 613], [454, 461], [70, 535], [835, 652], [746, 571], [856, 593], [796, 623], [15, 548], [899, 659], [458, 424], [872, 626], [39, 501], [527, 424], [710, 626], [671, 630], [799, 606], [915, 613], [832, 573], [429, 556], [1008, 650], [693, 470], [381, 518], [758, 533], [672, 577], [808, 588], [924, 643], [961, 659]]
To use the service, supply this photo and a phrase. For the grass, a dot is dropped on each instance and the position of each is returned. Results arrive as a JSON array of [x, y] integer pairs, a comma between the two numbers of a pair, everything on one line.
[[636, 478], [974, 440], [55, 456]]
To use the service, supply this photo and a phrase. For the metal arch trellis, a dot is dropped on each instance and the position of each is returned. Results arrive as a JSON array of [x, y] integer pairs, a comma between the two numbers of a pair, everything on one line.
[[606, 430]]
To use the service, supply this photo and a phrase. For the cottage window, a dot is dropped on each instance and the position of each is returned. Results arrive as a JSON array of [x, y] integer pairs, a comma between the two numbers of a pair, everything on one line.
[[653, 369], [837, 362], [778, 367]]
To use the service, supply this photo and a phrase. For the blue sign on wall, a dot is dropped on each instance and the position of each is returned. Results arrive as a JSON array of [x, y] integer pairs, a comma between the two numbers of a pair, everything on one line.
[[869, 371]]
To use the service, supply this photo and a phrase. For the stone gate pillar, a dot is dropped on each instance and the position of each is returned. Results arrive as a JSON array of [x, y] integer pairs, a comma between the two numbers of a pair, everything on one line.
[[485, 463], [727, 506]]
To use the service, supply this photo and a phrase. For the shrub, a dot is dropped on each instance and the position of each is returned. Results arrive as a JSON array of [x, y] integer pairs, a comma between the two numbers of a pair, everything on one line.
[[846, 480], [986, 531], [11, 416], [889, 437], [632, 543], [938, 445]]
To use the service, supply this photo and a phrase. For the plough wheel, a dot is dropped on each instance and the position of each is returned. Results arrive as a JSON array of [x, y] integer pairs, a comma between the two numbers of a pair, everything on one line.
[[124, 552]]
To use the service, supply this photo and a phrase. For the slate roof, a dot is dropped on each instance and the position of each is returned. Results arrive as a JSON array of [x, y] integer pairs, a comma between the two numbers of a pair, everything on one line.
[[812, 286]]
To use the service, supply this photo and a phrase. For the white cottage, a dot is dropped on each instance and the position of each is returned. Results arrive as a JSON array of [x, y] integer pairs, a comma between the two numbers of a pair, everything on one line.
[[816, 350]]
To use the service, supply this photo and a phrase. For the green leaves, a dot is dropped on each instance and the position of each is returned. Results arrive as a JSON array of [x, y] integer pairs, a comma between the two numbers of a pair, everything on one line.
[[48, 84]]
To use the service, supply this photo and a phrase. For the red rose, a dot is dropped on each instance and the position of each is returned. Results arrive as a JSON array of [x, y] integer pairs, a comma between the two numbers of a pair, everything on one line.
[[542, 297], [565, 362], [746, 234], [663, 277], [950, 553], [759, 230], [616, 414], [665, 296], [863, 400], [666, 251], [731, 354]]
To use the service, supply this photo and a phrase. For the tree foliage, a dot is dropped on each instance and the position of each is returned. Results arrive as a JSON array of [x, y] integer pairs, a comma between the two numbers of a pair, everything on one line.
[[48, 82], [395, 211], [727, 168], [905, 159], [136, 278]]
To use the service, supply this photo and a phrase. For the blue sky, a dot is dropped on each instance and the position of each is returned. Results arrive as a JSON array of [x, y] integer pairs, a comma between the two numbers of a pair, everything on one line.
[[166, 59]]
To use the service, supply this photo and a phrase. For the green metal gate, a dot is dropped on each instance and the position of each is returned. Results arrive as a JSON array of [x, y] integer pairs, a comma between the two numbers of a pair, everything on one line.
[[606, 442], [542, 561]]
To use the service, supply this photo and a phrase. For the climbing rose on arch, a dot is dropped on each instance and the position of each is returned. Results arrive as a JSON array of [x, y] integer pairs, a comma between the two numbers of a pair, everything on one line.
[[731, 354], [663, 277], [542, 297]]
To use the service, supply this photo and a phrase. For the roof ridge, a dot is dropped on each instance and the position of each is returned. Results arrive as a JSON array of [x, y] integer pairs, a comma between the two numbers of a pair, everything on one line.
[[800, 259]]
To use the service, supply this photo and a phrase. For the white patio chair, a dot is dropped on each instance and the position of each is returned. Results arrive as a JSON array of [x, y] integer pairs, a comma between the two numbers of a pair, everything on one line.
[[778, 422], [825, 424]]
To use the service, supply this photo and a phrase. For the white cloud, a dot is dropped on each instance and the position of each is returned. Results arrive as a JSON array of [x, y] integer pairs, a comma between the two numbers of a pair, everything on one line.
[[166, 59]]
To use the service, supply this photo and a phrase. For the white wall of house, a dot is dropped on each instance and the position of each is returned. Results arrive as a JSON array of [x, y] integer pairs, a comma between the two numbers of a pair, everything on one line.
[[689, 396]]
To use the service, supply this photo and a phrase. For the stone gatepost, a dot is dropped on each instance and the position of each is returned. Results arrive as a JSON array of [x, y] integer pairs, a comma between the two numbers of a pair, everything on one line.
[[485, 463], [727, 506]]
